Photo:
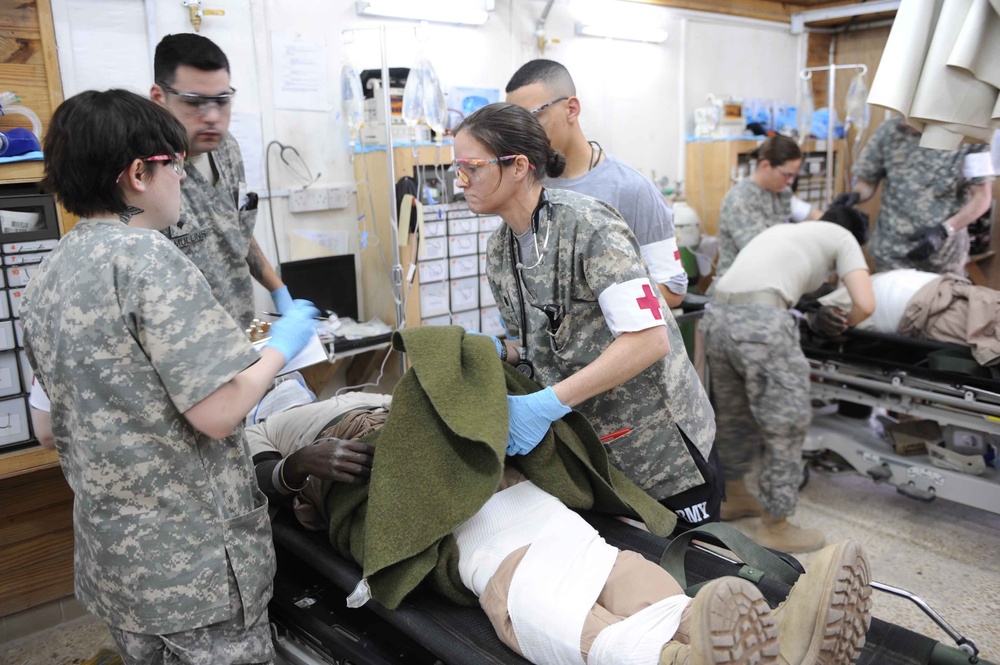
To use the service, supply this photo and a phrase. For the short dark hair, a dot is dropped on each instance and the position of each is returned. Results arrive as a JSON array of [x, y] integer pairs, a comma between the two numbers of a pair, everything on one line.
[[777, 150], [188, 49], [507, 129], [93, 137], [851, 219], [548, 72]]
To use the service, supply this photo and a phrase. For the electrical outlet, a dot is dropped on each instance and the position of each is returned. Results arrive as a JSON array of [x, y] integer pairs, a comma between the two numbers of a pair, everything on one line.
[[308, 200]]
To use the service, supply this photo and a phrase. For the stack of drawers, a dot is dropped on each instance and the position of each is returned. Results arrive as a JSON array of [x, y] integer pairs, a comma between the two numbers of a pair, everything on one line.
[[452, 269], [20, 261]]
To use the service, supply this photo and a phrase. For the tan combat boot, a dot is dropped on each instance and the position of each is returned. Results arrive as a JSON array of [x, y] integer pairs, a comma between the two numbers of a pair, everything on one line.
[[780, 534], [739, 502], [727, 622], [827, 614]]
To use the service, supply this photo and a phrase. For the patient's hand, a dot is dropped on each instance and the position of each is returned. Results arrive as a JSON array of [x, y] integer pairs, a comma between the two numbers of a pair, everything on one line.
[[340, 460]]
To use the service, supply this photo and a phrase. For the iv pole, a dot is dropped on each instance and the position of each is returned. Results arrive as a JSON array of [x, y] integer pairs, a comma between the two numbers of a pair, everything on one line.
[[831, 70], [397, 268]]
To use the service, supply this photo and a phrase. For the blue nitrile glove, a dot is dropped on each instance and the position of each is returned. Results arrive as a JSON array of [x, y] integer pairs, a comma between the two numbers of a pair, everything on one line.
[[294, 329], [929, 241], [530, 418], [496, 341], [282, 299]]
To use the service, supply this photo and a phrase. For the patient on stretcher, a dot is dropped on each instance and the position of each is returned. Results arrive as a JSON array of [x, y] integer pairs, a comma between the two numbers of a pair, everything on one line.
[[923, 305], [556, 592]]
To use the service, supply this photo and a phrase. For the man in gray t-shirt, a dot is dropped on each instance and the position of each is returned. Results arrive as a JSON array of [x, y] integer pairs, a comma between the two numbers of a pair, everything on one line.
[[545, 88]]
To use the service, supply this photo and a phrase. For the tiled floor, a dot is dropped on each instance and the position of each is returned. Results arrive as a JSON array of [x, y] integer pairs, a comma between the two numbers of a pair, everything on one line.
[[944, 552]]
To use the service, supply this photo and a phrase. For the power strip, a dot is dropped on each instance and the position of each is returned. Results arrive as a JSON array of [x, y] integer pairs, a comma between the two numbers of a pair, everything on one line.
[[318, 198]]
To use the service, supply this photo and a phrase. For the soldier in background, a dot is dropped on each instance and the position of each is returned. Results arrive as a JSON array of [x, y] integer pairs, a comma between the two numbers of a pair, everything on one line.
[[584, 317], [760, 377], [218, 213], [150, 379], [762, 200], [929, 199]]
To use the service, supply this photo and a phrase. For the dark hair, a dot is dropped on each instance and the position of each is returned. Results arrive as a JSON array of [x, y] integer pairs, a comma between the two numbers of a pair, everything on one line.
[[777, 150], [506, 129], [851, 219], [93, 137], [188, 49], [549, 72]]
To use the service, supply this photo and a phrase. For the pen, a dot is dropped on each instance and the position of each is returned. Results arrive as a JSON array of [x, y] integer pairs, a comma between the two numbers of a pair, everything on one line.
[[278, 316]]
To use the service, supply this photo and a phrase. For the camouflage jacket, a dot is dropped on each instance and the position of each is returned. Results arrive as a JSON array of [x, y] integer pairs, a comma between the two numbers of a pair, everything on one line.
[[748, 209], [216, 234], [125, 336], [923, 187], [591, 249]]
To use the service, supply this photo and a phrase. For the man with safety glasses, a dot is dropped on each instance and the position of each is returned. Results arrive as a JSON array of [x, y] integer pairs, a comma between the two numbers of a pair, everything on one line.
[[218, 213], [546, 88]]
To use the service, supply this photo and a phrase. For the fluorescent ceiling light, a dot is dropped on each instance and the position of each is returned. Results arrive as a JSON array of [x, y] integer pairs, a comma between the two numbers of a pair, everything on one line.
[[635, 33], [460, 12]]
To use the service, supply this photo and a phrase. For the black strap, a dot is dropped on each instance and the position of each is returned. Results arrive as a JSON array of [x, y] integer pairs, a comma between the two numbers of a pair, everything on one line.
[[757, 560]]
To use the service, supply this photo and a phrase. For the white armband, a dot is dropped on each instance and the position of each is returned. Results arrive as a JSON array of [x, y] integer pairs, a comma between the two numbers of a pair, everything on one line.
[[978, 165], [631, 306], [800, 209]]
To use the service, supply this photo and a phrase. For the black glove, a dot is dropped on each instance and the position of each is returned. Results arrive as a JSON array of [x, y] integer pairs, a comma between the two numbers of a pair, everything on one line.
[[829, 321], [846, 199], [929, 241]]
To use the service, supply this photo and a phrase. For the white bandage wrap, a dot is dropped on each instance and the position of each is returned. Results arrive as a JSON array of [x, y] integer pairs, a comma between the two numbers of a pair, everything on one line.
[[638, 639], [800, 209], [511, 519], [631, 306], [663, 259], [554, 587], [978, 165]]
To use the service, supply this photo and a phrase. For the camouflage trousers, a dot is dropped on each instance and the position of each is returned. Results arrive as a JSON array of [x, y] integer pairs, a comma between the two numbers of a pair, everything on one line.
[[759, 385], [225, 643]]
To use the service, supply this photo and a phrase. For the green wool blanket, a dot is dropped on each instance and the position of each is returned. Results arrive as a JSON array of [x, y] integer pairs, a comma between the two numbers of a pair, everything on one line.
[[440, 456]]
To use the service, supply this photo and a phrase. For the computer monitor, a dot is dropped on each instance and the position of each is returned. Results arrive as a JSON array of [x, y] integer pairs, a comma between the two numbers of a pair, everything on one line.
[[330, 282]]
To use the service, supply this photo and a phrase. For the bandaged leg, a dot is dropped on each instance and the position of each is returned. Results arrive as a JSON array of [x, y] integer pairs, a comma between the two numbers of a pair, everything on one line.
[[557, 582], [633, 585]]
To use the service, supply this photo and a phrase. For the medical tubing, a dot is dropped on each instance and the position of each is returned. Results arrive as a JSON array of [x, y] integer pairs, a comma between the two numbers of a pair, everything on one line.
[[15, 109]]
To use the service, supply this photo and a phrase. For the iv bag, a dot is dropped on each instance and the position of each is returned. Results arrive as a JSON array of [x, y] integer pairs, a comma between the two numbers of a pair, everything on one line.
[[805, 110], [858, 112], [435, 109], [413, 103], [352, 97]]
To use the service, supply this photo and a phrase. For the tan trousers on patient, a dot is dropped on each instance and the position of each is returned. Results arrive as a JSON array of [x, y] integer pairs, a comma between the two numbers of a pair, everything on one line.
[[634, 584]]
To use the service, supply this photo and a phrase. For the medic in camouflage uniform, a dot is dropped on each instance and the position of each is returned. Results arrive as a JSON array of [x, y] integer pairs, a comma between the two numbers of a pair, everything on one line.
[[172, 538], [761, 200], [592, 269], [924, 188], [759, 374]]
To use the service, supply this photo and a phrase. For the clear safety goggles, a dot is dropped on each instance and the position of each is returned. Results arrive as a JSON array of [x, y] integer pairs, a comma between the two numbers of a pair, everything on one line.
[[472, 169], [197, 104]]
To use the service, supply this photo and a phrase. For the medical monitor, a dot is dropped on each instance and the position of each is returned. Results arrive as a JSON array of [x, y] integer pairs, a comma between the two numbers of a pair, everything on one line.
[[329, 282]]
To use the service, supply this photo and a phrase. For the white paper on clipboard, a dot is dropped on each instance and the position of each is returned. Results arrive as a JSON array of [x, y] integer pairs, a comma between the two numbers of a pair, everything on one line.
[[313, 353]]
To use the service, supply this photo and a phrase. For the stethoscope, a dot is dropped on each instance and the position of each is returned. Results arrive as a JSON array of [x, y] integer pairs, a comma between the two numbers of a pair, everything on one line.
[[552, 311]]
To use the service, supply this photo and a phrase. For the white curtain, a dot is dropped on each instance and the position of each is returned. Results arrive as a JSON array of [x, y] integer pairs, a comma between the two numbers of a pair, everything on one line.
[[941, 70]]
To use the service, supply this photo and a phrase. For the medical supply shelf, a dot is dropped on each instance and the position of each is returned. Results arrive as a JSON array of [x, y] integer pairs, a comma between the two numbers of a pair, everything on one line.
[[713, 166], [448, 285]]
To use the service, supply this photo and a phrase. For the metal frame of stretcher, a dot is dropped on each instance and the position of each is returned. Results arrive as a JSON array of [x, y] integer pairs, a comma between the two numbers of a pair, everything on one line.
[[312, 625], [841, 372]]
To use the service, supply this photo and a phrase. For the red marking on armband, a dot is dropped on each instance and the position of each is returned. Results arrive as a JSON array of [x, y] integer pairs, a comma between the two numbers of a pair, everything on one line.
[[650, 302]]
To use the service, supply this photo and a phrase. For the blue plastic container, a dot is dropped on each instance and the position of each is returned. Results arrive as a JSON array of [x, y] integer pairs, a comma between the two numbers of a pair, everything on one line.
[[18, 141]]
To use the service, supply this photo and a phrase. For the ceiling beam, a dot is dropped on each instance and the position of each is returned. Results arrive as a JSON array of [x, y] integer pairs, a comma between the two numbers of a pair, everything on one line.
[[799, 19]]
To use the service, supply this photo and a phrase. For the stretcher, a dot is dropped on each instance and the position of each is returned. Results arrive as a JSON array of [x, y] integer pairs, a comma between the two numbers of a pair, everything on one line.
[[906, 376], [312, 625]]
